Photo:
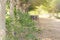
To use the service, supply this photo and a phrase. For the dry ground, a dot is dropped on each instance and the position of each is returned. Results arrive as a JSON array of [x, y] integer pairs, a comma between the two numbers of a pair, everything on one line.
[[50, 29]]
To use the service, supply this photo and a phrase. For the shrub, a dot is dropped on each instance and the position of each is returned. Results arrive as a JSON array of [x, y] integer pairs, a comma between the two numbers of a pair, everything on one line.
[[20, 27]]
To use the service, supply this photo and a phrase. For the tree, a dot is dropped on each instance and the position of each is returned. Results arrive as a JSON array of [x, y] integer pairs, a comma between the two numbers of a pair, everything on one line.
[[57, 7], [24, 5], [50, 8], [2, 19], [12, 8]]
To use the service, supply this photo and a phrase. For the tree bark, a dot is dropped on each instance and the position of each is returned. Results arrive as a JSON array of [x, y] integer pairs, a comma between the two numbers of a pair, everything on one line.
[[23, 7], [2, 19], [11, 8]]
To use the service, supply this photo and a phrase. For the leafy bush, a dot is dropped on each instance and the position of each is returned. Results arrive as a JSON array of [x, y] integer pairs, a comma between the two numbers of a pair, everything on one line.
[[21, 27]]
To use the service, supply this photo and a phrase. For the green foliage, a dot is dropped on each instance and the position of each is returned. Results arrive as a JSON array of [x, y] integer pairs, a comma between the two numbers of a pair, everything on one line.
[[30, 36], [31, 8], [25, 19], [7, 4], [20, 26]]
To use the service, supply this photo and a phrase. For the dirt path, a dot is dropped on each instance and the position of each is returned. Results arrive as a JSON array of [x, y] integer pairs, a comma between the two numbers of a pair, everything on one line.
[[50, 29]]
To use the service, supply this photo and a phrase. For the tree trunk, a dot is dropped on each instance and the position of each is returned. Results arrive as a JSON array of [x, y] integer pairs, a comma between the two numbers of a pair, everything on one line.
[[11, 8], [18, 5], [2, 19], [23, 7]]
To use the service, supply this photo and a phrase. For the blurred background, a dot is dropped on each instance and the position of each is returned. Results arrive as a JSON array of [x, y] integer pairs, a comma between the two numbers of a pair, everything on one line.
[[25, 19]]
